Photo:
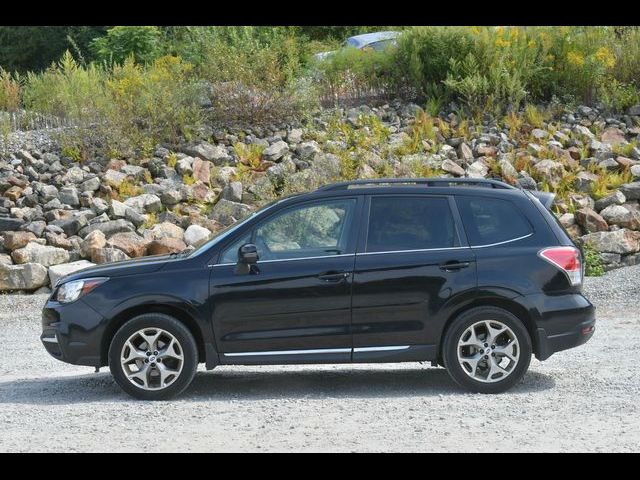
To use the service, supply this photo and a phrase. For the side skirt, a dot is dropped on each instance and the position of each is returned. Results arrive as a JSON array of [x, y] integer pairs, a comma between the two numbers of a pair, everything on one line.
[[382, 354]]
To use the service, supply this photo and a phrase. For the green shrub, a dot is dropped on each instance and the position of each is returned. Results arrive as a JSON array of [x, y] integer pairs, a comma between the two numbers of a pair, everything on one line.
[[10, 91], [592, 260], [122, 42]]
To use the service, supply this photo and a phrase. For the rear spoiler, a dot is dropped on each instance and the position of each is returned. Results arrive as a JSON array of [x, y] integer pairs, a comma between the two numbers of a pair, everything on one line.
[[545, 198]]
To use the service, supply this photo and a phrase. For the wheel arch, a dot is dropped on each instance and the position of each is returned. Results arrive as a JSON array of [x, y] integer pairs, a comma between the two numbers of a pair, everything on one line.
[[173, 311], [511, 305]]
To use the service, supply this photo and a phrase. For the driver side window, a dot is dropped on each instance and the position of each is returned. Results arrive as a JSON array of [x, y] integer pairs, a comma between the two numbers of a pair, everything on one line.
[[308, 230]]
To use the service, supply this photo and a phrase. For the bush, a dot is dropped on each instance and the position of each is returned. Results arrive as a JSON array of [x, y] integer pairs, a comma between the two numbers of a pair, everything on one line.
[[592, 260], [10, 91], [120, 43]]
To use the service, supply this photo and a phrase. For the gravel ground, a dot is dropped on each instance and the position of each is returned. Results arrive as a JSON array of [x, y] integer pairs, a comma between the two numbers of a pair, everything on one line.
[[585, 399]]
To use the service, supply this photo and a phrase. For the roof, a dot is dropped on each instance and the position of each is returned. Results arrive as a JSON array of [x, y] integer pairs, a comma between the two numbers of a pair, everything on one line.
[[367, 38]]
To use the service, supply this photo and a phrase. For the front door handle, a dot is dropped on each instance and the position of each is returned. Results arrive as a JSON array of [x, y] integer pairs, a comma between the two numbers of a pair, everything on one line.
[[453, 266], [333, 276]]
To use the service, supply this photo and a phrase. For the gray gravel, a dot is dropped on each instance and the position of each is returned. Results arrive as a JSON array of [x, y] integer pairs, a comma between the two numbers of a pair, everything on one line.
[[584, 399]]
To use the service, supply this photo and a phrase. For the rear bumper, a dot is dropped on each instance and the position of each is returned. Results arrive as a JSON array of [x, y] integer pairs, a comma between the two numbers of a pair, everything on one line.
[[561, 322]]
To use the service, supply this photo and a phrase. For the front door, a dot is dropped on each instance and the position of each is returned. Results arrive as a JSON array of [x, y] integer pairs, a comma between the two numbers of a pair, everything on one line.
[[295, 307], [411, 262]]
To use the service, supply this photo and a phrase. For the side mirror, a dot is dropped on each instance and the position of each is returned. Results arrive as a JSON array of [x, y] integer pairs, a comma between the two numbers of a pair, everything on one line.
[[247, 259]]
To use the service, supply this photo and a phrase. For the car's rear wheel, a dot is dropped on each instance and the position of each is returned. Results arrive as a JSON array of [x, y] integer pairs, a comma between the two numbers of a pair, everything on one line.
[[487, 350], [153, 357]]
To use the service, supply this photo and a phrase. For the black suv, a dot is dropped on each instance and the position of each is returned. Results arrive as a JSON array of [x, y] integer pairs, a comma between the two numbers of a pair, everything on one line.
[[474, 275]]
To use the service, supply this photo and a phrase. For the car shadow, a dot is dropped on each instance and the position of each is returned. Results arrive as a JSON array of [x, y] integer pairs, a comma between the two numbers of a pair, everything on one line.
[[224, 385]]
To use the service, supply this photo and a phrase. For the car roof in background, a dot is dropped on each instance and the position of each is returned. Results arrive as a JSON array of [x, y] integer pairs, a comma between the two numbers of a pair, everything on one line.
[[367, 38]]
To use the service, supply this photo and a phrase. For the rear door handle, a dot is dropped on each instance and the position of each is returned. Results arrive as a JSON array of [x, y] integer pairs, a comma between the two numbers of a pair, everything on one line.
[[333, 276], [452, 266]]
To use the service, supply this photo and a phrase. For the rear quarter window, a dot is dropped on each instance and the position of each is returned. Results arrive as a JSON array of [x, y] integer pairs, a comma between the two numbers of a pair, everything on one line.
[[492, 220]]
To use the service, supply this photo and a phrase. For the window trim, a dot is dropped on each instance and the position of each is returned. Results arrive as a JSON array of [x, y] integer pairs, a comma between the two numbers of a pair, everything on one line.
[[460, 240], [253, 226]]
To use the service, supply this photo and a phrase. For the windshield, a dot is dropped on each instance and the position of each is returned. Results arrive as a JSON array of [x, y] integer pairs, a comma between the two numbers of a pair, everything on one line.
[[225, 232]]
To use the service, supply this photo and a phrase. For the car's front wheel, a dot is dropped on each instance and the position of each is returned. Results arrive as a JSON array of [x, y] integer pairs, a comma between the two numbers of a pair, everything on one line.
[[487, 350], [153, 357]]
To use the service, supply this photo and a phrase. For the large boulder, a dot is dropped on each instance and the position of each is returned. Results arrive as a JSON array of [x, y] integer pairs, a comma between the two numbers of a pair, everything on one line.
[[276, 151], [43, 254], [615, 198], [130, 243], [195, 235], [622, 216], [631, 191], [590, 220], [15, 240], [109, 228], [621, 241], [146, 202], [164, 230], [215, 153], [165, 245], [94, 241], [108, 255], [7, 224], [28, 276], [56, 272]]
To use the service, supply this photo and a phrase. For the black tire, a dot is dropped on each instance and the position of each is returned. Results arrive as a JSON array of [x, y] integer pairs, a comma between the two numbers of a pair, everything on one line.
[[170, 325], [457, 329]]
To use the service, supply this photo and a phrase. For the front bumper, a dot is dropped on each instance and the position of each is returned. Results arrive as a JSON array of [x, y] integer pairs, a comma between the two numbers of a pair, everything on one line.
[[72, 332], [561, 322]]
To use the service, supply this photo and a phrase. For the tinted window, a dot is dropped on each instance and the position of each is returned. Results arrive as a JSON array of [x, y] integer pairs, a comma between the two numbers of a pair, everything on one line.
[[492, 220], [309, 230], [410, 223]]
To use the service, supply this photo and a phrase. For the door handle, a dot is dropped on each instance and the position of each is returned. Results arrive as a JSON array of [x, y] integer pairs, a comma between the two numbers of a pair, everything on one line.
[[333, 276], [453, 266]]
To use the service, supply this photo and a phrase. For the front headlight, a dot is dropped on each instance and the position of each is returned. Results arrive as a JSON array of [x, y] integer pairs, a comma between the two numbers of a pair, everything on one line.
[[72, 291]]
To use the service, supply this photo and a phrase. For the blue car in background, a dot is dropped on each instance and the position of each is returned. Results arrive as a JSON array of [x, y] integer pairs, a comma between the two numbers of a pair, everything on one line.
[[377, 41]]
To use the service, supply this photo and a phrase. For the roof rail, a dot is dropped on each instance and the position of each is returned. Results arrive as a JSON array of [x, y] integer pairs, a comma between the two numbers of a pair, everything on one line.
[[433, 182]]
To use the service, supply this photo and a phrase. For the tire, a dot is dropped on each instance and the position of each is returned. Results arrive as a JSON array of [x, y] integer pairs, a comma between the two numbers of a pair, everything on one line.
[[173, 354], [514, 358]]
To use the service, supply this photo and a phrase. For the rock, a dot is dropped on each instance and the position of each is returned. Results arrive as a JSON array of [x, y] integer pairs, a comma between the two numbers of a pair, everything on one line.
[[275, 151], [184, 166], [165, 246], [613, 136], [295, 135], [13, 193], [631, 191], [625, 162], [214, 153], [109, 228], [584, 181], [130, 243], [5, 259], [622, 241], [478, 169], [615, 198], [584, 131], [114, 178], [134, 171], [10, 224], [535, 149], [171, 197], [634, 111], [15, 240], [550, 170], [144, 203], [195, 235], [465, 153], [233, 191], [118, 209], [622, 216], [108, 255], [28, 276], [41, 254], [164, 230], [69, 196], [58, 240], [539, 134], [90, 185], [56, 272], [202, 170], [609, 164], [453, 168], [635, 171], [282, 170], [590, 220], [364, 171], [308, 150], [95, 240]]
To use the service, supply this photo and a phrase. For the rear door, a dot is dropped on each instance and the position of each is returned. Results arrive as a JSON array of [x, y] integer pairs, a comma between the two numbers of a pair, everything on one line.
[[412, 259]]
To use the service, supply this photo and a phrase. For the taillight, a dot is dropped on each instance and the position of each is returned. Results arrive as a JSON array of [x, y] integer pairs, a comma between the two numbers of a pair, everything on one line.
[[566, 259]]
